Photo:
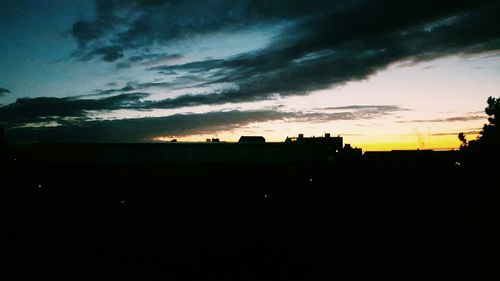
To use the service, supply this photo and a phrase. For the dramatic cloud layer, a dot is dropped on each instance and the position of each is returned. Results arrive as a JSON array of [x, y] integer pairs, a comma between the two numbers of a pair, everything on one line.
[[65, 129], [142, 129], [29, 110], [137, 24], [322, 43], [315, 45]]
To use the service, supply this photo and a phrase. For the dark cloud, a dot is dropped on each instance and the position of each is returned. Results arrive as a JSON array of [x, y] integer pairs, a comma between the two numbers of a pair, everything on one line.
[[107, 53], [469, 132], [145, 129], [3, 91], [447, 120], [86, 31], [132, 86], [32, 110], [181, 82], [148, 59], [151, 58], [136, 24], [110, 53], [29, 110], [333, 47], [127, 88], [322, 43]]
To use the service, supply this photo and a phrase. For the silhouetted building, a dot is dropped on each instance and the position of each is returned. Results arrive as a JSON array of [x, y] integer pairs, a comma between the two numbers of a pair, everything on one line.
[[249, 149], [252, 139], [332, 143], [351, 153]]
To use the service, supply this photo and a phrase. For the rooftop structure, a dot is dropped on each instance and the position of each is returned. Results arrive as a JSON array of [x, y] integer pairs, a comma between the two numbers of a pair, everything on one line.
[[252, 139], [334, 143]]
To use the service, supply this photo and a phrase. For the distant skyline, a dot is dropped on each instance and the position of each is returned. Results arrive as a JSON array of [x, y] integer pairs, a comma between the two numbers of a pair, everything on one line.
[[382, 74]]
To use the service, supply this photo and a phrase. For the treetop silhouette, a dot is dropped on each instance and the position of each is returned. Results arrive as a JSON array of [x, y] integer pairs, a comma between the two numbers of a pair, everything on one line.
[[489, 137]]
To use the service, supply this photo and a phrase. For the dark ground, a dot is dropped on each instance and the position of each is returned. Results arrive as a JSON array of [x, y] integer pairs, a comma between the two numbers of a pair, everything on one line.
[[404, 217]]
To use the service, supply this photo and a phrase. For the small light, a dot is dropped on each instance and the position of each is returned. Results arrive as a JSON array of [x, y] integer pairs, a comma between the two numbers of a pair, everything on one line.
[[15, 159], [39, 186], [123, 201], [310, 180], [265, 195]]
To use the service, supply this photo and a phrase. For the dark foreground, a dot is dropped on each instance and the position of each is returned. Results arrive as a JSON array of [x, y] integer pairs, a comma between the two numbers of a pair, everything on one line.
[[405, 217]]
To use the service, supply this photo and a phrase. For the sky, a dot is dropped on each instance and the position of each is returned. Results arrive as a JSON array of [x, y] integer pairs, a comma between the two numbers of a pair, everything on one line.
[[382, 74]]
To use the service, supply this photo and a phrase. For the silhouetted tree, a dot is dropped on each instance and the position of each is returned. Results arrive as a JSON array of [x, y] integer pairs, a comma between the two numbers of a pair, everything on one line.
[[483, 154], [490, 135], [463, 139]]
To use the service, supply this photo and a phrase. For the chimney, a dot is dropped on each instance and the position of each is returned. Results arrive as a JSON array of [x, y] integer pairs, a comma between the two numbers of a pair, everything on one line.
[[327, 135], [301, 136]]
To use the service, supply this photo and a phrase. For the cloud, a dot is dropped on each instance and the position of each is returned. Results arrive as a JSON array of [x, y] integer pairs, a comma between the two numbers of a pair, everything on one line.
[[106, 53], [351, 112], [148, 59], [366, 107], [331, 48], [29, 110], [446, 120], [318, 44], [469, 132], [74, 126], [143, 129], [3, 91], [109, 53], [41, 109], [85, 31], [321, 43], [135, 24]]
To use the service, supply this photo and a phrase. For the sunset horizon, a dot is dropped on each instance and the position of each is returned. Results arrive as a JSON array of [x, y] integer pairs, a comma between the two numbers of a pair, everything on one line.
[[383, 76]]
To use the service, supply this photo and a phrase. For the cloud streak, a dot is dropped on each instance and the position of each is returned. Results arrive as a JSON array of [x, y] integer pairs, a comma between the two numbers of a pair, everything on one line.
[[469, 132], [148, 59], [179, 125], [446, 120], [365, 107], [29, 110], [143, 129]]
